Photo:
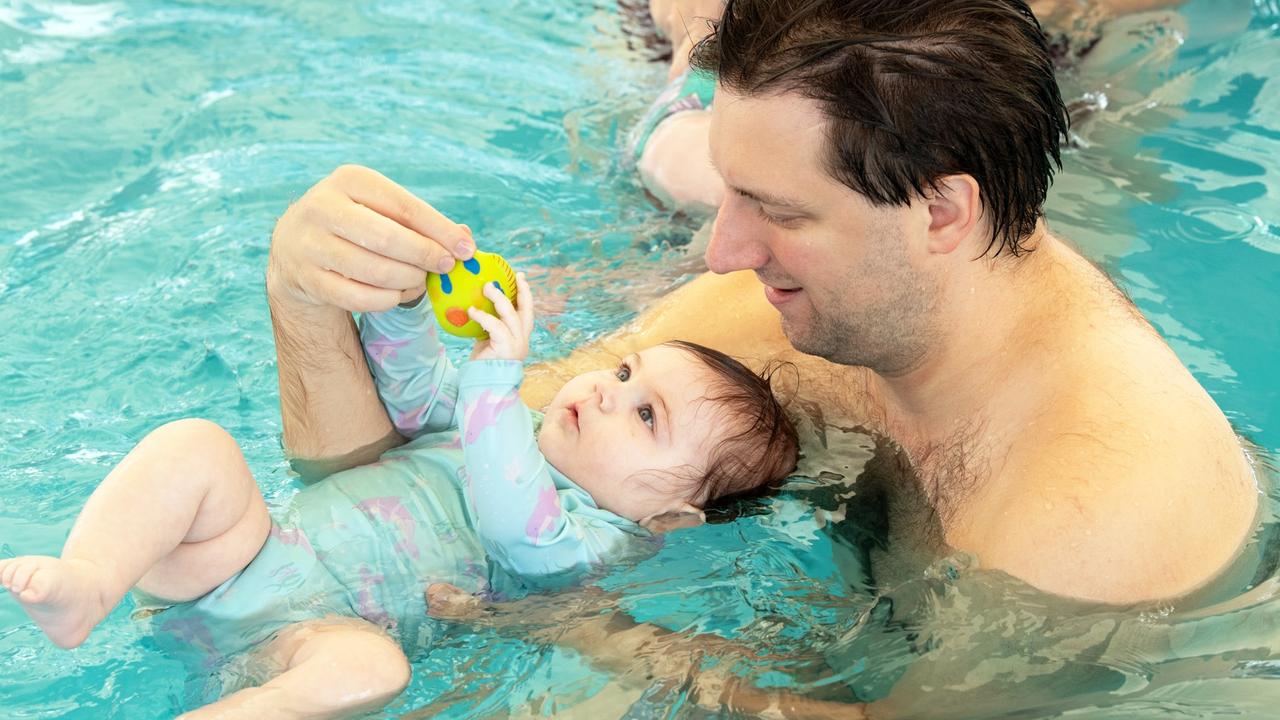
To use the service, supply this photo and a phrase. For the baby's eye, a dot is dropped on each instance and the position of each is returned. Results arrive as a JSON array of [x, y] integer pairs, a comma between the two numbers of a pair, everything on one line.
[[646, 416], [624, 372]]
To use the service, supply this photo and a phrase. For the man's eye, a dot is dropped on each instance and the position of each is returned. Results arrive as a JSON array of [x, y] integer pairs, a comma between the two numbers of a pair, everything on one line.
[[772, 219], [646, 416], [624, 372]]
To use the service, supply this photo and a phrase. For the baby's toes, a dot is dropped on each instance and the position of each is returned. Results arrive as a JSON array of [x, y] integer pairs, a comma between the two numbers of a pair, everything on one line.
[[29, 583], [7, 569], [20, 576]]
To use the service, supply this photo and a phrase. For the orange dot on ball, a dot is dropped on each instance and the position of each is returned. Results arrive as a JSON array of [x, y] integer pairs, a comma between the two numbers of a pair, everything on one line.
[[456, 316]]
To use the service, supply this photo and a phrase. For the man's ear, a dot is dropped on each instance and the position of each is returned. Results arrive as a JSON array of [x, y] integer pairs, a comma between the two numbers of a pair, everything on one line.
[[955, 210], [685, 516]]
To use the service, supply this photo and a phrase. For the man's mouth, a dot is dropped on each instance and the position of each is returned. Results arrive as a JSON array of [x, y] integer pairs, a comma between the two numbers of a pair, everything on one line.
[[779, 295]]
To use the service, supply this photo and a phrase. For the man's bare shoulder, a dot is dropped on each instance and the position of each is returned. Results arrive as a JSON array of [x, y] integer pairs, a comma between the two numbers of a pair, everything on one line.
[[1112, 500]]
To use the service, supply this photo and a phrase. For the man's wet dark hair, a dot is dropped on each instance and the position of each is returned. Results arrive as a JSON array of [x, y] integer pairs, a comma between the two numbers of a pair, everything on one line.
[[762, 446], [913, 90]]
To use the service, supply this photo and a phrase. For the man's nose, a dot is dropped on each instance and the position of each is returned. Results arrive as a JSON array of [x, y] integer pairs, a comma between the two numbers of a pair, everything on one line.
[[735, 242]]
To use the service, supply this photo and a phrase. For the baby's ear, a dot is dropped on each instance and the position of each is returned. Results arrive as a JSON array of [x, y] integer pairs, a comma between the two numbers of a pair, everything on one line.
[[685, 516]]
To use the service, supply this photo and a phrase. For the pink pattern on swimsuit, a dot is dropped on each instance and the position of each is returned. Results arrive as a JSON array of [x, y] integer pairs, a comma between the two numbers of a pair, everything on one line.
[[485, 413], [390, 509], [545, 514]]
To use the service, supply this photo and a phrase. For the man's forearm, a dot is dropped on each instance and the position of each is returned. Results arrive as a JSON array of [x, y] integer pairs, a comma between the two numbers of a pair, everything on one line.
[[331, 413]]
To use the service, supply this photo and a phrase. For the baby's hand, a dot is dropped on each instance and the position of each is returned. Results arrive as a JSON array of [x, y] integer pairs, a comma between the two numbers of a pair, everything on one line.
[[508, 332]]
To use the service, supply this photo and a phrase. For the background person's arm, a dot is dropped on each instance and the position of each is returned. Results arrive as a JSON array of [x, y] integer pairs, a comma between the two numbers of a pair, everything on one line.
[[675, 164]]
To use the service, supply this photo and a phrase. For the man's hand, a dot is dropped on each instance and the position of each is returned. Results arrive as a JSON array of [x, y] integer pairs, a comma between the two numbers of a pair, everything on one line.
[[508, 332], [450, 602], [359, 242], [355, 242]]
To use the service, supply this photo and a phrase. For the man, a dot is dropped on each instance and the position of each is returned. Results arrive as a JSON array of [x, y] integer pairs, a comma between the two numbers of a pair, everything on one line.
[[885, 166]]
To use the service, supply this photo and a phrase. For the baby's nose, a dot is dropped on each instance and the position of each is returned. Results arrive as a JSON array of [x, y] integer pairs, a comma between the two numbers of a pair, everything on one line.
[[608, 393]]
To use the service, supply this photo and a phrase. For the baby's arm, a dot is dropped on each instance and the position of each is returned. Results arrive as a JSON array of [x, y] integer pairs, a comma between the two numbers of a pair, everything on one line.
[[521, 517], [417, 383]]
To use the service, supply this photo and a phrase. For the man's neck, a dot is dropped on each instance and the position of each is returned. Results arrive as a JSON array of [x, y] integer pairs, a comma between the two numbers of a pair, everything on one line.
[[993, 311]]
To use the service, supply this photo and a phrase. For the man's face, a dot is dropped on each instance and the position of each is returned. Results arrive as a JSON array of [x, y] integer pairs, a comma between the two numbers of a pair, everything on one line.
[[850, 279]]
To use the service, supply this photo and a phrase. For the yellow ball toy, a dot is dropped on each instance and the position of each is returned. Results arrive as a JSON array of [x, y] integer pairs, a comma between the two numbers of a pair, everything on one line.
[[463, 287]]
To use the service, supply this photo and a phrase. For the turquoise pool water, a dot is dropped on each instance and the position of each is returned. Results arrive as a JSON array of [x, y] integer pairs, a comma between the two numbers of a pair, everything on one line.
[[146, 149]]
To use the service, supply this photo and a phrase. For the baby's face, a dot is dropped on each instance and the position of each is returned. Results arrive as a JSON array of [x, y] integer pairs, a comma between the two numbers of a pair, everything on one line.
[[609, 430]]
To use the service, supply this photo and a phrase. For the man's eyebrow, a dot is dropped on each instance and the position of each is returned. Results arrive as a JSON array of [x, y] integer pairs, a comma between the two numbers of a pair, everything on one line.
[[758, 195], [769, 199]]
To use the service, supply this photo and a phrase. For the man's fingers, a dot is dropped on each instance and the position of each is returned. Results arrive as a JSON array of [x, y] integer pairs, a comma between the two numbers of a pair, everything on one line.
[[351, 295], [384, 236], [366, 266], [412, 296], [451, 602], [375, 191]]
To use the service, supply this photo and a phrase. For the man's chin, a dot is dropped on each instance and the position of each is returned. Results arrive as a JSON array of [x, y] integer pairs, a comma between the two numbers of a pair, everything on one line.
[[798, 335], [804, 338]]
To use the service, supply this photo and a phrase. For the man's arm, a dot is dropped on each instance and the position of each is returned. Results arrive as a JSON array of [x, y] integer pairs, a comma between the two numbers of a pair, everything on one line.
[[638, 655], [355, 242], [332, 416]]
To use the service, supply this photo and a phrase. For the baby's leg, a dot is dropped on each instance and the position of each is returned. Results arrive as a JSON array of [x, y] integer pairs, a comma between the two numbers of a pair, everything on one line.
[[178, 516], [332, 668]]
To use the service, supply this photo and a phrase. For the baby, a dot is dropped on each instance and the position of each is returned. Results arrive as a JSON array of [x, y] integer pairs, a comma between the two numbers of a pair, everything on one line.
[[475, 499]]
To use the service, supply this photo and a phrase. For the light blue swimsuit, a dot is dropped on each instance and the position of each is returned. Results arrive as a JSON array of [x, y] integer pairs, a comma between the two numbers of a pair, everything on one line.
[[469, 501]]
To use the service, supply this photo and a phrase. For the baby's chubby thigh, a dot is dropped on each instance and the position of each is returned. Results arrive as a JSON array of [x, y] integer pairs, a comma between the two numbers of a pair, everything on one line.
[[228, 523]]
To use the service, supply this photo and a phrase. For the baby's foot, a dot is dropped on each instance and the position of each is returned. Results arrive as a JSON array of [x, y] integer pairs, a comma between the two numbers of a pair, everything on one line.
[[63, 597]]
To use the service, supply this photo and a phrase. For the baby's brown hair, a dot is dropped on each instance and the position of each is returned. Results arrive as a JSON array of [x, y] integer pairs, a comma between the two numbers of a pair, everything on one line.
[[765, 448]]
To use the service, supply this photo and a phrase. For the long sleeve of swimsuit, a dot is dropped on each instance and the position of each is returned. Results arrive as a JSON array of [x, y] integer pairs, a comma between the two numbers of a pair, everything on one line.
[[532, 520], [417, 383]]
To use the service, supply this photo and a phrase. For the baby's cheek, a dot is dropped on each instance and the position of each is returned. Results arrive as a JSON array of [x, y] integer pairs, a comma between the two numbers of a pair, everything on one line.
[[554, 447]]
